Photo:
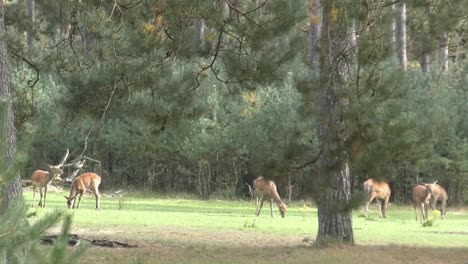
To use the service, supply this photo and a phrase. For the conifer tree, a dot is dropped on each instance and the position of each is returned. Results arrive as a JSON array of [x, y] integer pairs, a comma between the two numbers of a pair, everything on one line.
[[333, 211], [13, 190]]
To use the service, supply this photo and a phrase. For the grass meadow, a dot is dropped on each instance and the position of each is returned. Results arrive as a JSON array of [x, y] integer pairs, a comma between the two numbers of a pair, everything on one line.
[[182, 230]]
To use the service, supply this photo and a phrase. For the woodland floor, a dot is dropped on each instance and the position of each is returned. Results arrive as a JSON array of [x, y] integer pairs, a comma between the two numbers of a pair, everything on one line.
[[188, 245]]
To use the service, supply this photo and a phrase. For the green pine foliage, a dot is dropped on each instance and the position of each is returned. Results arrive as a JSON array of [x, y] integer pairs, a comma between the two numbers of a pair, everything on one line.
[[170, 113], [19, 233]]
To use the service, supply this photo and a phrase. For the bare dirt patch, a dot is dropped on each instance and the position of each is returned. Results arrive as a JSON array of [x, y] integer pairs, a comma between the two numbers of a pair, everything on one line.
[[169, 244]]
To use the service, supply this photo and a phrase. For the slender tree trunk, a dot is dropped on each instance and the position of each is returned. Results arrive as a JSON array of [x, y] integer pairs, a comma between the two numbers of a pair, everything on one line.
[[425, 43], [390, 34], [443, 51], [14, 189], [400, 33], [335, 218], [353, 47], [199, 26]]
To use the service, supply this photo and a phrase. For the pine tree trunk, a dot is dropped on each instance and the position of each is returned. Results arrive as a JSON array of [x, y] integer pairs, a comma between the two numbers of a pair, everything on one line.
[[335, 219], [14, 189], [443, 51], [400, 33]]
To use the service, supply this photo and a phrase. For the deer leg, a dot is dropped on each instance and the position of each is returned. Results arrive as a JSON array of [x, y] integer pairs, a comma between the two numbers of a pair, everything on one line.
[[96, 195], [443, 209], [380, 207], [271, 208], [45, 193], [366, 209], [79, 200], [426, 205], [257, 203], [423, 216], [261, 205], [40, 200], [415, 205], [385, 206], [34, 195]]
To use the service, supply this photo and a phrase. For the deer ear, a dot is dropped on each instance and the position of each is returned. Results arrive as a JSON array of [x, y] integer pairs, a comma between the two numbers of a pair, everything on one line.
[[65, 197]]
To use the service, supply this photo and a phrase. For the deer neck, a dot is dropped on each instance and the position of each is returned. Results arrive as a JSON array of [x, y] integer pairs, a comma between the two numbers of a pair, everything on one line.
[[275, 196], [73, 191]]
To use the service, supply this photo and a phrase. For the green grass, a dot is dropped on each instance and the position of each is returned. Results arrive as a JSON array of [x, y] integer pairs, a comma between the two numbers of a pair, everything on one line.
[[135, 214]]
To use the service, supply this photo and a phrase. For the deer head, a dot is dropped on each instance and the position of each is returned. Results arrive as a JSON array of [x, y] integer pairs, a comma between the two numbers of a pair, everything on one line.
[[282, 209], [430, 189], [56, 170]]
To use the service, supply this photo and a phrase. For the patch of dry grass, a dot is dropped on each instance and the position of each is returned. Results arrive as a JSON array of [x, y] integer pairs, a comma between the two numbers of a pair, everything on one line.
[[161, 253]]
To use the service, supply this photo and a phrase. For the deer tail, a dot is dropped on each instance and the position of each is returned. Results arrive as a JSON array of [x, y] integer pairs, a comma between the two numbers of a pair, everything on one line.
[[367, 187]]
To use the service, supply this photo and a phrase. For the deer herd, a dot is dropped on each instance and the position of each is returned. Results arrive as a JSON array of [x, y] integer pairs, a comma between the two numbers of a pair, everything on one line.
[[424, 194], [87, 181]]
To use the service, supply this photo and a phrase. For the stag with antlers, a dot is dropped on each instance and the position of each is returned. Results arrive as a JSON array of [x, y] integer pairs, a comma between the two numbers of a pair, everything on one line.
[[42, 179]]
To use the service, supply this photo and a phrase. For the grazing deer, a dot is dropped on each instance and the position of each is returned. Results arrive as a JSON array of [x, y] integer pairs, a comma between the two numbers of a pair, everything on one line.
[[380, 191], [440, 194], [267, 190], [79, 186], [421, 196], [42, 179]]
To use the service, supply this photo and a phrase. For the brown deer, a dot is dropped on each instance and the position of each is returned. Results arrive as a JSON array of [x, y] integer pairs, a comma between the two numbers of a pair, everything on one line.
[[380, 191], [421, 196], [79, 186], [267, 190], [440, 194], [42, 179]]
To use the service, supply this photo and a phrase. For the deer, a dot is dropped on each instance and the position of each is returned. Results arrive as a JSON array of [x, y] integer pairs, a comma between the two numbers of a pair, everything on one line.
[[79, 186], [43, 178], [267, 190], [440, 194], [421, 196], [380, 191]]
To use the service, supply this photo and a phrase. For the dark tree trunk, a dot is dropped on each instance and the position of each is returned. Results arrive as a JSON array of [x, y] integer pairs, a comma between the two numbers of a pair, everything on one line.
[[14, 189], [335, 217]]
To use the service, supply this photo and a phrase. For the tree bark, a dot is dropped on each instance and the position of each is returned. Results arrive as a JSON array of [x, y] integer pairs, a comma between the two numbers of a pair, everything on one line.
[[13, 189], [335, 218], [400, 34]]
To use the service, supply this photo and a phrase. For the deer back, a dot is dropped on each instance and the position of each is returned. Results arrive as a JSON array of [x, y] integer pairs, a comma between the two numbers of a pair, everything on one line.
[[440, 192], [86, 181], [381, 189], [40, 177]]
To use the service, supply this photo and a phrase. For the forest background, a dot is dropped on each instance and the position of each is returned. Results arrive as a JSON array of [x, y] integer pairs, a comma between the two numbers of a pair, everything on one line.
[[201, 97]]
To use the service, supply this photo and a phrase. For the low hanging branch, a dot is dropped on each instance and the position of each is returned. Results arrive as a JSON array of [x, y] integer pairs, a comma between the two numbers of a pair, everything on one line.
[[78, 163], [308, 163]]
